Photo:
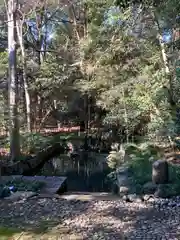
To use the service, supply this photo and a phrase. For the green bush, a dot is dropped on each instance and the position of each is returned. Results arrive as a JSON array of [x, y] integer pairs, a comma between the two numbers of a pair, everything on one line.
[[33, 142], [131, 148], [174, 174], [168, 190], [140, 162], [115, 159], [140, 168]]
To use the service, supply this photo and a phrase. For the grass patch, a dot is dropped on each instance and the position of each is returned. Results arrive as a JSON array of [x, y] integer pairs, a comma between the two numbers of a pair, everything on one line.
[[6, 233]]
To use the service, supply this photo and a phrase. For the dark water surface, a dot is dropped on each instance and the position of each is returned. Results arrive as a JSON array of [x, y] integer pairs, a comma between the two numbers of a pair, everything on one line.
[[87, 175]]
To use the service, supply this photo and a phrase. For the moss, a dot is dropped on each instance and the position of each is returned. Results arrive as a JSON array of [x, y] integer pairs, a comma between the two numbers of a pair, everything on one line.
[[140, 169], [20, 185], [174, 173], [168, 190], [7, 233]]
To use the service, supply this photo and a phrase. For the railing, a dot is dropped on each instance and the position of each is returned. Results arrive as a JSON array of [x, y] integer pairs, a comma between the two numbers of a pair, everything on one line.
[[47, 130], [62, 129]]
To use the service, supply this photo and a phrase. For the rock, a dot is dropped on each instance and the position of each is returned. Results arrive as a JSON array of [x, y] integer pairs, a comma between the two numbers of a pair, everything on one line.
[[151, 199], [115, 188], [123, 170], [123, 180], [125, 198], [132, 198], [123, 190], [147, 197], [160, 172], [149, 188]]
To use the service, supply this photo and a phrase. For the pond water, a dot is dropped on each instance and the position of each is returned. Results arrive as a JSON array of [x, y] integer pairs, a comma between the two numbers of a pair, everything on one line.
[[87, 174]]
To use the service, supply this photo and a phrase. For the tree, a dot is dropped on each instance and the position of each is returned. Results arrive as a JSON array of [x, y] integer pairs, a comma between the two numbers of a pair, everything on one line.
[[90, 61], [127, 71], [19, 26], [13, 85]]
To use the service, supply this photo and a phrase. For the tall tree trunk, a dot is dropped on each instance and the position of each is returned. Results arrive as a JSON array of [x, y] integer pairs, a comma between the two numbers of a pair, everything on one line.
[[39, 57], [169, 76], [23, 53], [13, 84]]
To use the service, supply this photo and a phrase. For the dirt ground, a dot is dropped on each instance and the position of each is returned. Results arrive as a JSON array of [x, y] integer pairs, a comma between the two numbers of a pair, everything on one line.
[[82, 217]]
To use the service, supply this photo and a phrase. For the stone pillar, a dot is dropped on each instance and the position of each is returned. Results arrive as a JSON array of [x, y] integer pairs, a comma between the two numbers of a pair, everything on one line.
[[160, 173]]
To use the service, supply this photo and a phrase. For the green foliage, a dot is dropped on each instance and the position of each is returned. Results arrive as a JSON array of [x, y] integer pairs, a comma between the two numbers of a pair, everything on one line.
[[33, 142], [7, 232], [174, 172], [169, 190], [140, 162], [140, 167], [3, 63], [118, 65], [127, 75], [115, 159], [131, 148], [139, 158]]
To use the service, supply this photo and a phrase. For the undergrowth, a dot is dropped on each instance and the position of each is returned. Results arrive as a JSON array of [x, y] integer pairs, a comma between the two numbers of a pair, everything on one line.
[[140, 160]]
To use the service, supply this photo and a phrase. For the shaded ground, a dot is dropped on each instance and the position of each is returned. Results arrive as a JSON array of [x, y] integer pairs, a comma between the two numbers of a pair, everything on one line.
[[50, 218]]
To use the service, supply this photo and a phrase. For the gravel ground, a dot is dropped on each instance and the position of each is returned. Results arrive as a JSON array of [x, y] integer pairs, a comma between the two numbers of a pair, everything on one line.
[[50, 218]]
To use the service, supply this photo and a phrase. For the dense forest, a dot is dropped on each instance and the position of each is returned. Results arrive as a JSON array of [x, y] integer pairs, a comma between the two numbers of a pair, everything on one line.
[[110, 66], [90, 119]]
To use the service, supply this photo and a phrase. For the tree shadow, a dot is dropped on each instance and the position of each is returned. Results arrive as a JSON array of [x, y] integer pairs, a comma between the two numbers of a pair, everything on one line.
[[37, 215], [92, 219], [144, 221]]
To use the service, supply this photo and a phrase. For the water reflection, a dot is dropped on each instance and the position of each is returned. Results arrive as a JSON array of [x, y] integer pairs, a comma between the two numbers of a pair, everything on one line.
[[85, 172]]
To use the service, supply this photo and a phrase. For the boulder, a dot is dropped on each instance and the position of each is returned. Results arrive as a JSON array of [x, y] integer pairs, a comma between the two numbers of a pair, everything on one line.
[[149, 188], [161, 192], [115, 188], [148, 197], [160, 173], [132, 198], [124, 190], [123, 180]]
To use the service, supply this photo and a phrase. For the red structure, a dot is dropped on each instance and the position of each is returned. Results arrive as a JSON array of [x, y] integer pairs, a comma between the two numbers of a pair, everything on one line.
[[59, 130]]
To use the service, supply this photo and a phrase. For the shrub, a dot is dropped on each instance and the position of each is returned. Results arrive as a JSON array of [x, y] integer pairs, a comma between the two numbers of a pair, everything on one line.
[[140, 158]]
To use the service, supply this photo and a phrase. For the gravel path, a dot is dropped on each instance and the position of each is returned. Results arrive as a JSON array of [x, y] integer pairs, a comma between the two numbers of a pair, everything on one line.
[[50, 218]]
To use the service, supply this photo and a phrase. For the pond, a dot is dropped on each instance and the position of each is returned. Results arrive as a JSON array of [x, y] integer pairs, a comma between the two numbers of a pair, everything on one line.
[[87, 172]]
